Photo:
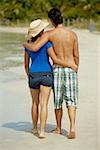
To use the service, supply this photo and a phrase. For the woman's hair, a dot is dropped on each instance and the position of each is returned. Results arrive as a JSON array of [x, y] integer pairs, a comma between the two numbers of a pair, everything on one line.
[[33, 39], [55, 15]]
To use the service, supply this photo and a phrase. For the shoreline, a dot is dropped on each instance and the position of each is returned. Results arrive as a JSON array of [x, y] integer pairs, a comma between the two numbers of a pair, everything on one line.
[[23, 30]]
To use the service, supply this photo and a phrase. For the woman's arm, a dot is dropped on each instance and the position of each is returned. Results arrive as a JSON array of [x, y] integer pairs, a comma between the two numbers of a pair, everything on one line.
[[56, 60], [26, 62]]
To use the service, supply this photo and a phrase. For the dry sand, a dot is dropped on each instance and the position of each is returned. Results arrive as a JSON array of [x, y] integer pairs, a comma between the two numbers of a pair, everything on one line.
[[15, 106]]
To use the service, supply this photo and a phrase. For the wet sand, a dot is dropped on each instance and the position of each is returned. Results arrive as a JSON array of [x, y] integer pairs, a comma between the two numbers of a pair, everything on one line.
[[15, 106], [22, 30]]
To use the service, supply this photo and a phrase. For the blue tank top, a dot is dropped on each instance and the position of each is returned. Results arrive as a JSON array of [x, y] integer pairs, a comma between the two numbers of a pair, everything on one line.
[[40, 59]]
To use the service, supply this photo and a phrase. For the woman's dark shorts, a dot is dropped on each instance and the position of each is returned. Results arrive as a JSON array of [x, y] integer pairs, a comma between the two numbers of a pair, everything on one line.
[[41, 78]]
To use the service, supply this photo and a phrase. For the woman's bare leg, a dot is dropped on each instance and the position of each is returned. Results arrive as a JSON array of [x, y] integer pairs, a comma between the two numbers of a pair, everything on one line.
[[45, 92], [34, 109]]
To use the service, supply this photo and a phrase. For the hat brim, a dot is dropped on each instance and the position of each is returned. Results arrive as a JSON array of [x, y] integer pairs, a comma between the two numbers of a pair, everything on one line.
[[42, 27]]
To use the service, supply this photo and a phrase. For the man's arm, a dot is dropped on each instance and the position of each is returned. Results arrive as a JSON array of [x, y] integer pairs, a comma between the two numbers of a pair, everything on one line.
[[38, 43], [56, 60], [76, 51], [26, 62]]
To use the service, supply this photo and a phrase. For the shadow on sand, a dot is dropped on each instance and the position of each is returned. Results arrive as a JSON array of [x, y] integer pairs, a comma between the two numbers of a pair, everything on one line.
[[27, 127]]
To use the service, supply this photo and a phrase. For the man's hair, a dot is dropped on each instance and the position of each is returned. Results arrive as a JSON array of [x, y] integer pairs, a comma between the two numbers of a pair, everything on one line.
[[55, 15]]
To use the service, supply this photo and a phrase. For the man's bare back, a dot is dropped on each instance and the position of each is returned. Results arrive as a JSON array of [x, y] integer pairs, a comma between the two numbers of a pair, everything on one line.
[[65, 44]]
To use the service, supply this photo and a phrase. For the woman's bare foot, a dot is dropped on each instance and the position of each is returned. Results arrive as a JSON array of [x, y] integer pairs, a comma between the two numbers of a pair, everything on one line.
[[42, 135], [71, 135], [34, 131], [57, 131]]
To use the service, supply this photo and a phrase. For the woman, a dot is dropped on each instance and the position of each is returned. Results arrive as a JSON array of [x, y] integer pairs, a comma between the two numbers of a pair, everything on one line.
[[40, 75]]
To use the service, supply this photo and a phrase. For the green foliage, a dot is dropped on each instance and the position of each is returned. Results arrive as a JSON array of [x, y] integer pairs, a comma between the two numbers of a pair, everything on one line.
[[27, 10]]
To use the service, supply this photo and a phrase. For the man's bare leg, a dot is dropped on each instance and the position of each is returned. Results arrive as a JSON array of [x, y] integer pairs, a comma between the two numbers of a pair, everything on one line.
[[34, 109], [58, 114], [45, 92], [72, 117]]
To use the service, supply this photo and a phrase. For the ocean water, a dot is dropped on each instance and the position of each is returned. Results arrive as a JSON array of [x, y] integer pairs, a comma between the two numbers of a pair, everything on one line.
[[11, 49]]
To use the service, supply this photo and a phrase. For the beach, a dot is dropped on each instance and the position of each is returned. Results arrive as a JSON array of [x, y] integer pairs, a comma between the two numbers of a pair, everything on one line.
[[15, 103]]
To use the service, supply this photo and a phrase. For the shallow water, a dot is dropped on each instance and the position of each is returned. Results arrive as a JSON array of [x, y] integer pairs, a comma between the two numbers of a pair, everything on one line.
[[11, 50]]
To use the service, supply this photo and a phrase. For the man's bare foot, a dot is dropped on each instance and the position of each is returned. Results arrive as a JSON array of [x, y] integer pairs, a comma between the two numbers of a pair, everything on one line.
[[57, 131], [71, 135], [34, 131], [42, 135]]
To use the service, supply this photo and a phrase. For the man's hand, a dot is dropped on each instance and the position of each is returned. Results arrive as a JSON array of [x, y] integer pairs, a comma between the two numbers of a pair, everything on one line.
[[35, 46], [24, 45], [75, 68], [30, 46]]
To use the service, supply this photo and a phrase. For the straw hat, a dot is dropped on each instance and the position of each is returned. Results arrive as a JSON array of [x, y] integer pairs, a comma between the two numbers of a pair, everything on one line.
[[37, 26]]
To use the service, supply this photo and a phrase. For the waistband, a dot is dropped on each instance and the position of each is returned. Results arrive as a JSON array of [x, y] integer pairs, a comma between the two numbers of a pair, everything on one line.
[[68, 69], [41, 73], [58, 66]]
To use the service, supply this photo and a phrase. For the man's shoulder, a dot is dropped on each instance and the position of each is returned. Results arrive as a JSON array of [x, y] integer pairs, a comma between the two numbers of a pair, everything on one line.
[[71, 31], [73, 34], [49, 32]]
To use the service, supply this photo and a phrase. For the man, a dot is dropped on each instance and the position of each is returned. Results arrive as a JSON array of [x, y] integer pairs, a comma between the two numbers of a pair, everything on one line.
[[65, 44]]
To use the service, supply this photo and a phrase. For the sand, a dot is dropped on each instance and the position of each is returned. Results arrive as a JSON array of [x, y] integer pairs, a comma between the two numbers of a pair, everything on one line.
[[22, 30], [15, 106]]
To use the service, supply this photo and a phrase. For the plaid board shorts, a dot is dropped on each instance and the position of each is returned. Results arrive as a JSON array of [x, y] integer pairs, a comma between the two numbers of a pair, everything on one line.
[[65, 87]]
